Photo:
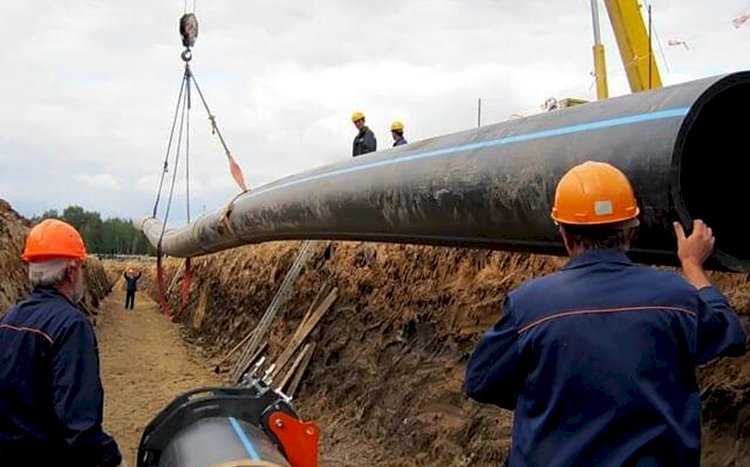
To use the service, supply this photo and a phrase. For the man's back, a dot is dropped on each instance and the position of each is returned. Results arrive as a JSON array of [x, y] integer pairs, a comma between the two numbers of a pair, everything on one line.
[[50, 391], [598, 361]]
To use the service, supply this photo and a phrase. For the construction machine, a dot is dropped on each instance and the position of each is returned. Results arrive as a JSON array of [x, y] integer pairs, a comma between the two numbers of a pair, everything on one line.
[[634, 43], [251, 424], [636, 53]]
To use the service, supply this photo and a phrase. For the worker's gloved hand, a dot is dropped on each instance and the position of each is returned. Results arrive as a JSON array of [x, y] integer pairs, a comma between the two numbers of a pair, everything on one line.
[[694, 250]]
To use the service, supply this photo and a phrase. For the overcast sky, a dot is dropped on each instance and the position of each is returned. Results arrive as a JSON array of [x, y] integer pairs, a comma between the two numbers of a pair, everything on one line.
[[89, 87]]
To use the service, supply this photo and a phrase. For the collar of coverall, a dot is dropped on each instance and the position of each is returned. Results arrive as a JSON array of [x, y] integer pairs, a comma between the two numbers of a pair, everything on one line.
[[590, 257], [50, 292]]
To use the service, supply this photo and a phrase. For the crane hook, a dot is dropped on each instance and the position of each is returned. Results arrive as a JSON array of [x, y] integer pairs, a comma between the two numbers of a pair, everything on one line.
[[188, 29]]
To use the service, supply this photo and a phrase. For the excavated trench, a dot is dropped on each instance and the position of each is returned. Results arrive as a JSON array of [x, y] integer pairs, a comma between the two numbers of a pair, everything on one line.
[[385, 377], [14, 284], [144, 362]]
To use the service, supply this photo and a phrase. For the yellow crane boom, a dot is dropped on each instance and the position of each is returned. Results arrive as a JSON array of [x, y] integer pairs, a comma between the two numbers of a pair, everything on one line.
[[634, 44], [600, 68]]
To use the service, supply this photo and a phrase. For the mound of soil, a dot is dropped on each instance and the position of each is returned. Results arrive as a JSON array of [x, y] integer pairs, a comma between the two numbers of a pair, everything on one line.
[[14, 283]]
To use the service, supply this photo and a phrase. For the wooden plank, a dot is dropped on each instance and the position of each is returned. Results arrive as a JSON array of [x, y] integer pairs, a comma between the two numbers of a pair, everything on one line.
[[294, 366], [234, 349], [300, 372], [314, 304], [304, 330], [174, 278], [266, 320]]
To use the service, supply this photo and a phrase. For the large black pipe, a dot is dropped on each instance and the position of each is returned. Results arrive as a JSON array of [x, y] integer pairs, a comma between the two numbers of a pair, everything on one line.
[[492, 187]]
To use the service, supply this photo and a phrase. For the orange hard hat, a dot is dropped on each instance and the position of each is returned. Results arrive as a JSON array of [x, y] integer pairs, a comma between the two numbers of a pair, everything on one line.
[[594, 193], [51, 239]]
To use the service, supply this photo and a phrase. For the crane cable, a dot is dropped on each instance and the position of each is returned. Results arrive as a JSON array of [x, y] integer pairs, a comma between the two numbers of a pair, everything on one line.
[[186, 7], [179, 110], [189, 32]]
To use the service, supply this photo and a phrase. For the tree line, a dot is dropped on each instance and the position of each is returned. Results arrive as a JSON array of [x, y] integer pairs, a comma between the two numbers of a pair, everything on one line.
[[110, 236]]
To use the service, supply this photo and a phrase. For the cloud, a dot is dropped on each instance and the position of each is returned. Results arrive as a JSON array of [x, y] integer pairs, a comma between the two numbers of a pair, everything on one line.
[[100, 181], [89, 88]]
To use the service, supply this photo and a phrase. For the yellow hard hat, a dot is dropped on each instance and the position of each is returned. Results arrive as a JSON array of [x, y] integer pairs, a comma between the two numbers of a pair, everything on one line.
[[594, 193], [357, 116], [396, 125]]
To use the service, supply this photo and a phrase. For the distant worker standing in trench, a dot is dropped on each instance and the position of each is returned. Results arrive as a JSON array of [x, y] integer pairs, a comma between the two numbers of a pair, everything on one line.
[[397, 132], [51, 396], [132, 287], [365, 140], [598, 360]]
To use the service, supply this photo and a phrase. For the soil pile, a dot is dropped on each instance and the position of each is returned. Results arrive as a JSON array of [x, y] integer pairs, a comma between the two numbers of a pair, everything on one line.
[[386, 374], [14, 283]]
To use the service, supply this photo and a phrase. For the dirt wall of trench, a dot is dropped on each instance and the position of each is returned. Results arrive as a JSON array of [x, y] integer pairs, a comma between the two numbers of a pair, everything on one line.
[[14, 283], [385, 378]]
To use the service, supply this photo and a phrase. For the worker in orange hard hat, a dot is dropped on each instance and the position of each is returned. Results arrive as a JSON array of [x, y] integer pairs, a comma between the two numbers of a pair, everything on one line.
[[365, 140], [598, 360], [397, 132], [51, 395]]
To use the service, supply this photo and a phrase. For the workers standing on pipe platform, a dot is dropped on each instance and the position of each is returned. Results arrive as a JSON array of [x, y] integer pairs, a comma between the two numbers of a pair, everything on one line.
[[132, 287], [598, 360], [365, 140], [51, 396], [397, 131]]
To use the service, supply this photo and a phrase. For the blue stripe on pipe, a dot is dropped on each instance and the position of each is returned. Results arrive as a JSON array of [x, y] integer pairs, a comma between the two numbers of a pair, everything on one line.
[[566, 130], [243, 439]]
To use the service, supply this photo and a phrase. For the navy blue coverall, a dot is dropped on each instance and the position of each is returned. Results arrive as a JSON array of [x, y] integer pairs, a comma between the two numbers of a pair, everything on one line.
[[598, 362], [51, 395], [132, 287]]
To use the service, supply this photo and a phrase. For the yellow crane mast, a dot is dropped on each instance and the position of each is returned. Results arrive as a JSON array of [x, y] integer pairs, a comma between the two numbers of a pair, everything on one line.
[[633, 41]]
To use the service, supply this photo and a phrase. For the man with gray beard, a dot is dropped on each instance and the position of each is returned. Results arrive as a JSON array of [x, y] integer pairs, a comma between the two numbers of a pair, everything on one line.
[[51, 396]]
